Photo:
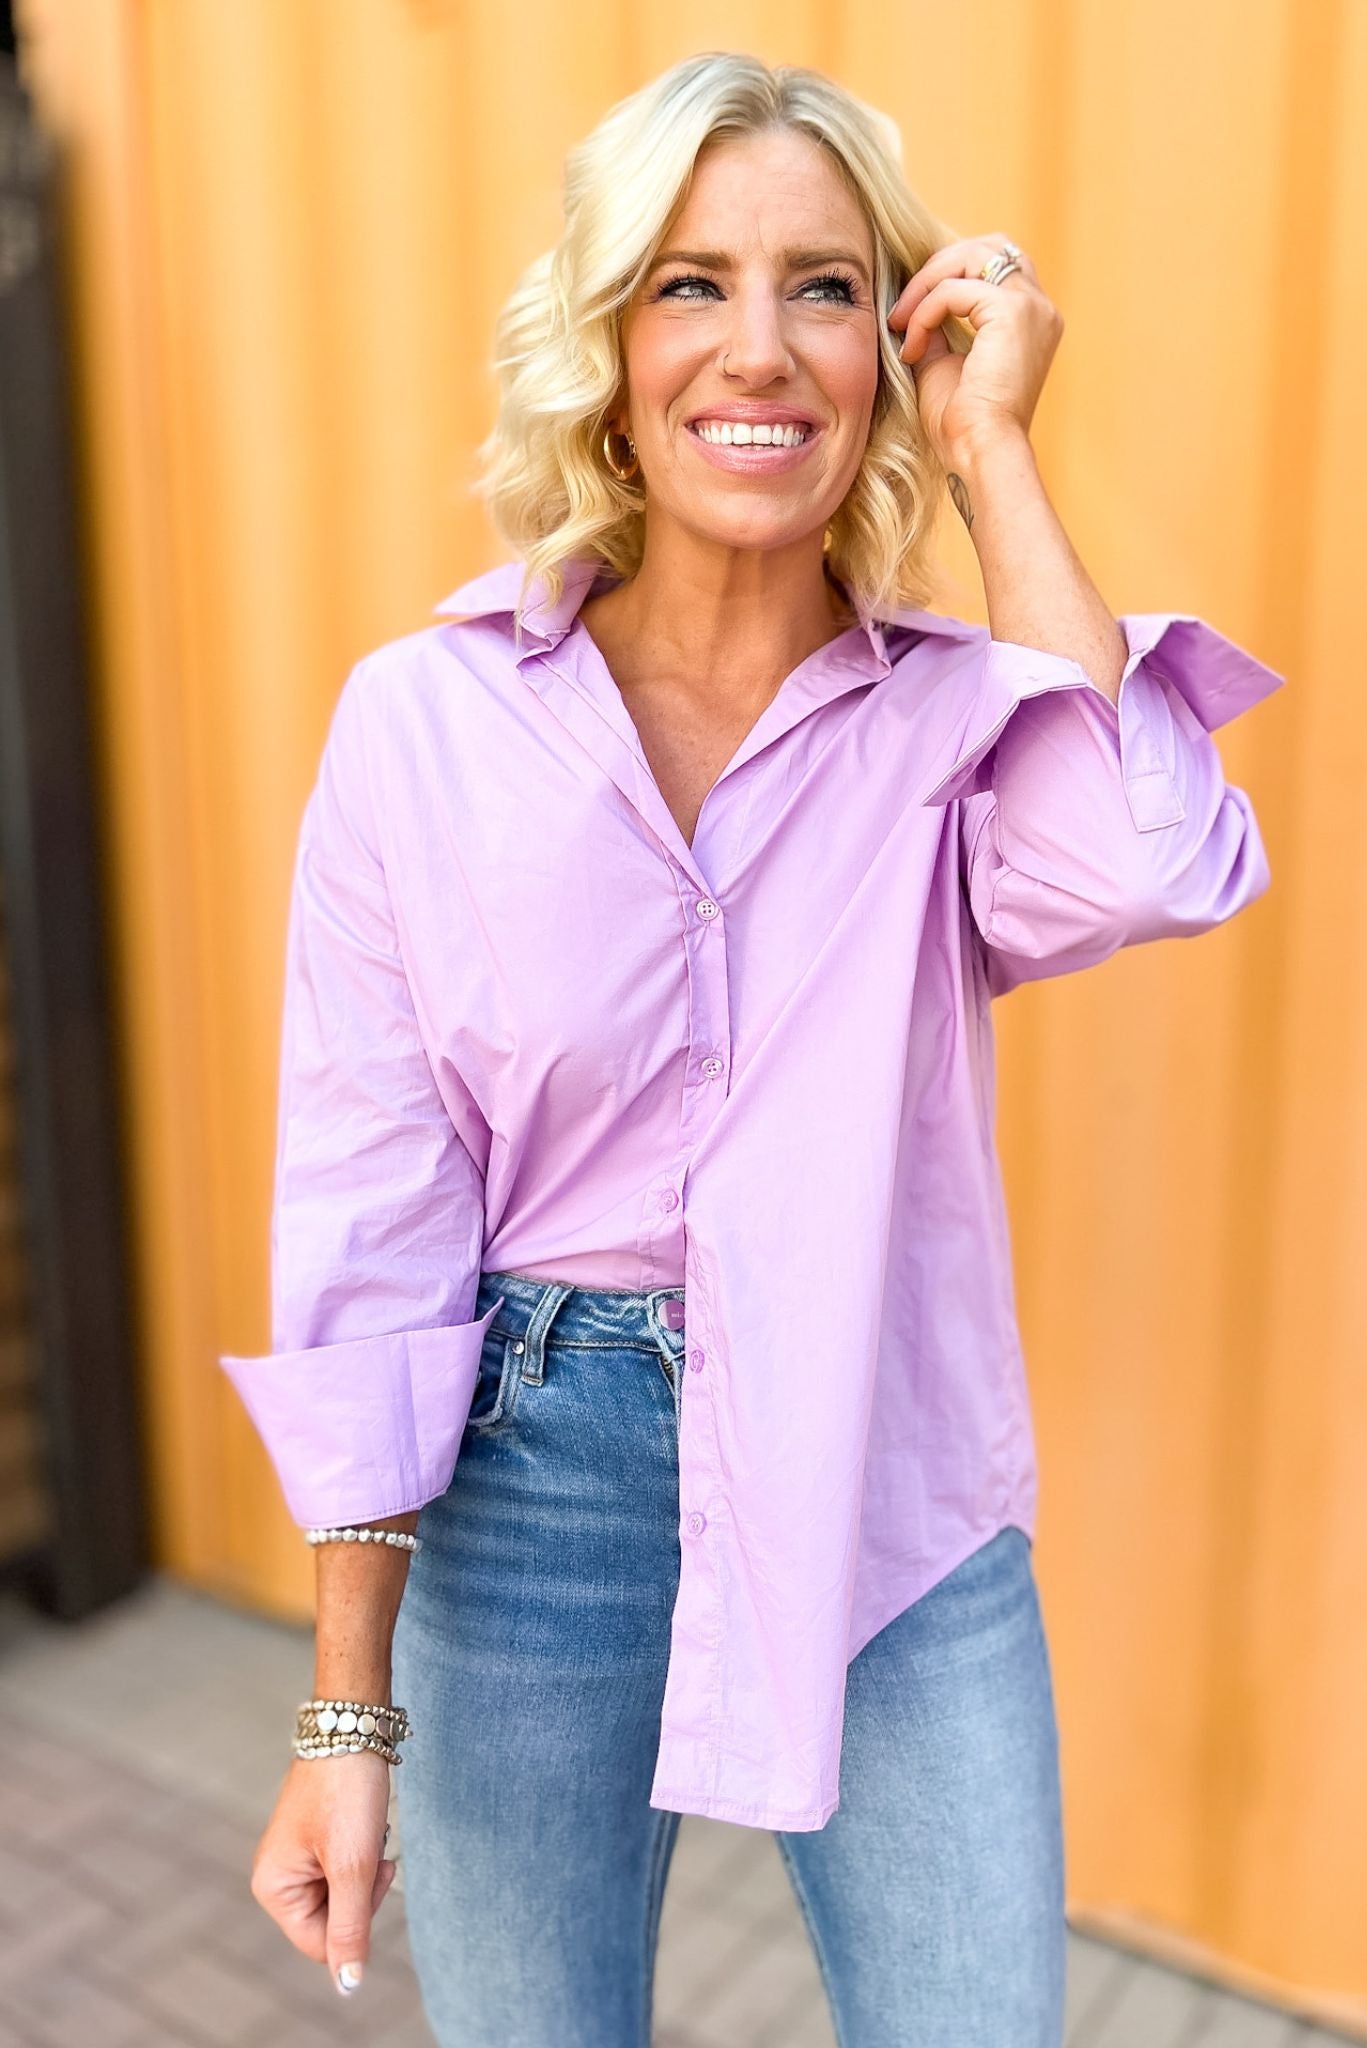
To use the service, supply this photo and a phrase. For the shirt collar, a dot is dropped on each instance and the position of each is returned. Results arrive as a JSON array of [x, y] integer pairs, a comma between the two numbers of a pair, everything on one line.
[[862, 648]]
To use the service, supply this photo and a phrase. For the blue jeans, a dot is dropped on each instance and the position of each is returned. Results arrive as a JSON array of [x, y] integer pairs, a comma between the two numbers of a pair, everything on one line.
[[530, 1651]]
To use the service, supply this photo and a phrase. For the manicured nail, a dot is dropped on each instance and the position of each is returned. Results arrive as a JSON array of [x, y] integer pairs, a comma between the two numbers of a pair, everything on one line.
[[348, 1978]]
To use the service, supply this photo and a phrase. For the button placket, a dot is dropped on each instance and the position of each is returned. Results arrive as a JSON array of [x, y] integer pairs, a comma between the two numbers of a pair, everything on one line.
[[704, 1570], [704, 1097], [708, 1016]]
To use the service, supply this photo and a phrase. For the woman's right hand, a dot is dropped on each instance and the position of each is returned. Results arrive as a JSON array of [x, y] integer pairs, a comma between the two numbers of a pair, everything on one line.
[[319, 1870]]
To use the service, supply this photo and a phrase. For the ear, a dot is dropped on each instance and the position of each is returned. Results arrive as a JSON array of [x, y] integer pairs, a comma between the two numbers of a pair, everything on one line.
[[616, 420]]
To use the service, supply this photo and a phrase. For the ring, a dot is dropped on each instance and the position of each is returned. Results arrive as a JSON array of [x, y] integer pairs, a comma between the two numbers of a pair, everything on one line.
[[1001, 264]]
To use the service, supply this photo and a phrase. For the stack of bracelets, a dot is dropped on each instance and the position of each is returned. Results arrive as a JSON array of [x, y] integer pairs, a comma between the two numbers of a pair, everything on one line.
[[327, 1727]]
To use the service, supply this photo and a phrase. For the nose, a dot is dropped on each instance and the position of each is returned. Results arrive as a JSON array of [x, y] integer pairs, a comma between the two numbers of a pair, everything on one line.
[[756, 348]]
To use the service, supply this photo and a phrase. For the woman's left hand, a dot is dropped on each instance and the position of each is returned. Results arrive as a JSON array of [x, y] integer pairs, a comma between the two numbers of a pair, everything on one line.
[[964, 400]]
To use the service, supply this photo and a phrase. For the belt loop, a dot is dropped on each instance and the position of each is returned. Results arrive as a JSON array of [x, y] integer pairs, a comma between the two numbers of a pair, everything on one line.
[[538, 1328], [668, 1309]]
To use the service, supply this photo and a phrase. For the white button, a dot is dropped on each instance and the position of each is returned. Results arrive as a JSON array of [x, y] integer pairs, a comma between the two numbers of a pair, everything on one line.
[[519, 1346], [713, 1066], [697, 1523], [706, 907]]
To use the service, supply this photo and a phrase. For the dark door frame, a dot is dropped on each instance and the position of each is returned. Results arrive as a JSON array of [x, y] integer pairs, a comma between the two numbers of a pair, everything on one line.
[[68, 1103]]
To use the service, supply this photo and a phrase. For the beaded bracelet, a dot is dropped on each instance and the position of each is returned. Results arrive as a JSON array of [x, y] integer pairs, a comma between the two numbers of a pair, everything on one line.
[[311, 1748], [397, 1538], [322, 1727]]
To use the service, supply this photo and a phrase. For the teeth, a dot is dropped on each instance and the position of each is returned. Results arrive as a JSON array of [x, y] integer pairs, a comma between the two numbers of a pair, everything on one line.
[[738, 434]]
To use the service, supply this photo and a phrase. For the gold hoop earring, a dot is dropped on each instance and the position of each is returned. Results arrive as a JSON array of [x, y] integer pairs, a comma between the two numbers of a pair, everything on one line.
[[621, 474]]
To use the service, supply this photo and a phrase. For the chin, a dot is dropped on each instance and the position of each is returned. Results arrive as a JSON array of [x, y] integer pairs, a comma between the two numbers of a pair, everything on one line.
[[759, 536]]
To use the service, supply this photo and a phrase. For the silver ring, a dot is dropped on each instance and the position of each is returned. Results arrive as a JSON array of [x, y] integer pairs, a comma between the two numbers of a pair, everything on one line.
[[999, 266], [1002, 263]]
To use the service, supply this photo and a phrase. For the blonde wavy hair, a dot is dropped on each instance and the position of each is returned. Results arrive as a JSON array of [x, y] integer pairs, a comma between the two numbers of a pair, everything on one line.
[[557, 341]]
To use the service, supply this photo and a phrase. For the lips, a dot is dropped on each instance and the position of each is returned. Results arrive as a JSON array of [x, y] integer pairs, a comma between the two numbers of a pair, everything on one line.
[[751, 415], [758, 458], [780, 429]]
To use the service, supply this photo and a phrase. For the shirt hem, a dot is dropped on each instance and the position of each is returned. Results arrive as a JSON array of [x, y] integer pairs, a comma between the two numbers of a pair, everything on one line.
[[803, 1820], [898, 1594]]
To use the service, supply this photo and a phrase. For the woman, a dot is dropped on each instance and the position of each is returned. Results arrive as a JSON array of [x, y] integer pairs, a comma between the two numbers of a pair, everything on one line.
[[639, 1242]]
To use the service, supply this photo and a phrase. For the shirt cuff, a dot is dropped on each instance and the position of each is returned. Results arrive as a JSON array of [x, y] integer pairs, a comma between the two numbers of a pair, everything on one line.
[[1214, 677], [365, 1428]]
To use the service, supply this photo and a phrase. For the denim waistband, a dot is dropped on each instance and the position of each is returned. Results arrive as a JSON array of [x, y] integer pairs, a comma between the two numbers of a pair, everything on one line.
[[583, 1315]]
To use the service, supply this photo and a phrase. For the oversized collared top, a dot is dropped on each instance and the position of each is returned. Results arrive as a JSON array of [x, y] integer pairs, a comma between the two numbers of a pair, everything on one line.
[[529, 1027]]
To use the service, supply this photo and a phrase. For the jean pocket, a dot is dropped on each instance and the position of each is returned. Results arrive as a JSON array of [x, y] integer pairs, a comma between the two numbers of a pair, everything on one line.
[[497, 1381]]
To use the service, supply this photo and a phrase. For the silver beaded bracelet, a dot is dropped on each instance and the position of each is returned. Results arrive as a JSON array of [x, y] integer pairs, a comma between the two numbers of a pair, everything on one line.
[[339, 1745], [397, 1538], [323, 1727]]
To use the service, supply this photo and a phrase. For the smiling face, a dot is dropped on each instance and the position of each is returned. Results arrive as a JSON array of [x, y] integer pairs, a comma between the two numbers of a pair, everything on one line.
[[756, 322]]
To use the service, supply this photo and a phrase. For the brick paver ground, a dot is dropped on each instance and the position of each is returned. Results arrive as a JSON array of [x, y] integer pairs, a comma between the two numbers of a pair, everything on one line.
[[140, 1759]]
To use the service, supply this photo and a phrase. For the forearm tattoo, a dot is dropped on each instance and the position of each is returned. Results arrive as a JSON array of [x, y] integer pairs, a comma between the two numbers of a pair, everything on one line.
[[963, 504]]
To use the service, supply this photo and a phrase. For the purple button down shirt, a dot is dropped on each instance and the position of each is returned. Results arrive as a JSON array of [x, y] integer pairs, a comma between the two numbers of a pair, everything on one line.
[[528, 1027]]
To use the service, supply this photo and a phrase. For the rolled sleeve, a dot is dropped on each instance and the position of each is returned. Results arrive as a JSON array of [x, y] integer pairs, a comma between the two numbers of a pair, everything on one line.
[[1089, 824], [378, 1211], [365, 1428]]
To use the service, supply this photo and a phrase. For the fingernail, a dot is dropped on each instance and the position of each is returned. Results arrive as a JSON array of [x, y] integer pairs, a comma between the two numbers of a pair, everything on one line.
[[348, 1978]]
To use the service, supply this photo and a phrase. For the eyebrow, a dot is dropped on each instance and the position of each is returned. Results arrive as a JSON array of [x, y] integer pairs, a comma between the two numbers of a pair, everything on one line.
[[796, 259]]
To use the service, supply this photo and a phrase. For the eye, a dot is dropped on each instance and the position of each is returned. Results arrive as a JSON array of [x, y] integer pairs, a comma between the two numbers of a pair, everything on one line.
[[672, 287], [834, 278], [829, 281]]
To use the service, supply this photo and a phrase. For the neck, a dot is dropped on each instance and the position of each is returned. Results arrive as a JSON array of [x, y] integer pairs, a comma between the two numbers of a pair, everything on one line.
[[704, 610]]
